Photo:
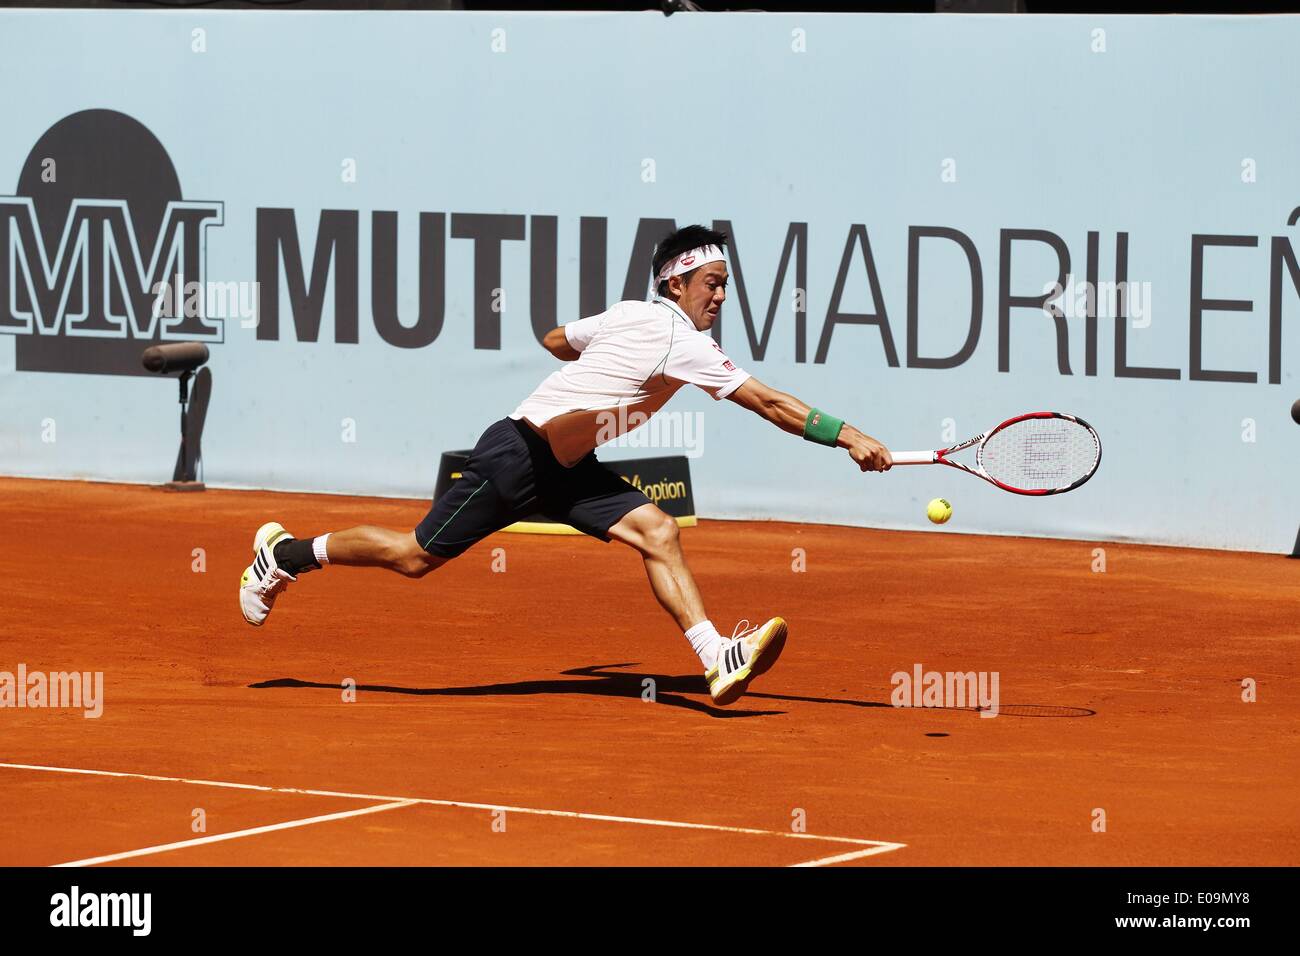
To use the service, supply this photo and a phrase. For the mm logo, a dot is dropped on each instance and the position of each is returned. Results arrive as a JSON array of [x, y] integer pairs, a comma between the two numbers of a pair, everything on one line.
[[93, 238]]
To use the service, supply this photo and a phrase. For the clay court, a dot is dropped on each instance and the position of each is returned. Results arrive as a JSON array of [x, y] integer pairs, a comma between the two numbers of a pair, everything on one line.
[[481, 690]]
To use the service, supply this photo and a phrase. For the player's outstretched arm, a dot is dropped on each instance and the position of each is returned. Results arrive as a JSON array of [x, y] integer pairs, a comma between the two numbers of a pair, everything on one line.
[[790, 414], [557, 343]]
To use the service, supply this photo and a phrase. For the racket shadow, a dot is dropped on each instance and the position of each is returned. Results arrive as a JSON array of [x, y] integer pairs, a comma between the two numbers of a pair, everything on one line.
[[1004, 710], [1035, 710]]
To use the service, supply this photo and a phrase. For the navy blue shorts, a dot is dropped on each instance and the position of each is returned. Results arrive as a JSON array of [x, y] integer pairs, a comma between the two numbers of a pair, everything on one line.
[[511, 474]]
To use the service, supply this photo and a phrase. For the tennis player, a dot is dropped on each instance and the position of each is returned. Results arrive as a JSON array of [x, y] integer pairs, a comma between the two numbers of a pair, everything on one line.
[[623, 366]]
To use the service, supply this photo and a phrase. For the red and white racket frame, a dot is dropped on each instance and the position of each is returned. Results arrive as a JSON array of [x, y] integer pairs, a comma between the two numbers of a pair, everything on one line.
[[940, 457]]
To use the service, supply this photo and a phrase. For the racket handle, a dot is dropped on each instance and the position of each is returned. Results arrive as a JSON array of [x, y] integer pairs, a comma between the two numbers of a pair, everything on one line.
[[912, 457]]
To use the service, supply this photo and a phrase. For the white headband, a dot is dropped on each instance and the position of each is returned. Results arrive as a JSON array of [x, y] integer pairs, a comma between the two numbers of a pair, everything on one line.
[[687, 261]]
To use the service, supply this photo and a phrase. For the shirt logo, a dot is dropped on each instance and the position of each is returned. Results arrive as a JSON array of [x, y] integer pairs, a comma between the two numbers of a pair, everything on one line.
[[726, 362]]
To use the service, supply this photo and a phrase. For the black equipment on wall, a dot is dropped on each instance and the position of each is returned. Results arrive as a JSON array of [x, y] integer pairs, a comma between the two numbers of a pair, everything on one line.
[[184, 358]]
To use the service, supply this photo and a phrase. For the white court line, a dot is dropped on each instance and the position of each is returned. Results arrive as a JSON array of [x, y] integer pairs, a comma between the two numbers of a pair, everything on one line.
[[855, 855], [235, 834], [878, 846]]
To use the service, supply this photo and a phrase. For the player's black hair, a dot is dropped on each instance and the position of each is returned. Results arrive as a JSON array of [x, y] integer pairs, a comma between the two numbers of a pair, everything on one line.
[[683, 240]]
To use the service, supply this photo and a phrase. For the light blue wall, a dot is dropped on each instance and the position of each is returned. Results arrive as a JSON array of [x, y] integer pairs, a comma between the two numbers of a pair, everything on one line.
[[1147, 138]]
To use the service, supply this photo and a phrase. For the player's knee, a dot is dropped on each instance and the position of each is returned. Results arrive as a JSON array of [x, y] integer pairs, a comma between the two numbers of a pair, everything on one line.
[[661, 533], [416, 563]]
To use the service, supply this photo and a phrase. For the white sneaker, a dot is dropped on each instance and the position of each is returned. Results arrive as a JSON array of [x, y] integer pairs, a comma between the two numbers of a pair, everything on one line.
[[263, 580], [744, 656]]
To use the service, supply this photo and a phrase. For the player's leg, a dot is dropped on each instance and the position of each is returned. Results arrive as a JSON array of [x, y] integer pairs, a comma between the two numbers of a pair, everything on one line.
[[487, 497], [730, 663], [603, 505], [280, 559], [656, 536], [368, 546]]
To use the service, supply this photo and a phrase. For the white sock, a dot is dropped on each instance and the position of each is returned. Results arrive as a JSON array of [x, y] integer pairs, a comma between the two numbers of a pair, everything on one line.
[[318, 550], [705, 641]]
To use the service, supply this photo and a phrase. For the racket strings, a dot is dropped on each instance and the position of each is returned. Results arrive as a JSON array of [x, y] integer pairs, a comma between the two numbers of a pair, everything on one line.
[[1040, 453]]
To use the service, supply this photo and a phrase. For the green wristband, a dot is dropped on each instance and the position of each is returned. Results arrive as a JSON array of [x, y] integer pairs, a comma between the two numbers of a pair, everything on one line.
[[822, 428]]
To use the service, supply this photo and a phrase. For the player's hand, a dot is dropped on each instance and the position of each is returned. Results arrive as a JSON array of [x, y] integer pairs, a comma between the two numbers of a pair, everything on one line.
[[869, 454]]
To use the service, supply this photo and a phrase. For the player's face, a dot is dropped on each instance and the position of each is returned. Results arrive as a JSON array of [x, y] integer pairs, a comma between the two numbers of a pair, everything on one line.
[[703, 293]]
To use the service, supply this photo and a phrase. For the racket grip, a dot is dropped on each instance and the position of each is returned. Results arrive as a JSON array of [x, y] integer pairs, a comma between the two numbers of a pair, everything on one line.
[[912, 457]]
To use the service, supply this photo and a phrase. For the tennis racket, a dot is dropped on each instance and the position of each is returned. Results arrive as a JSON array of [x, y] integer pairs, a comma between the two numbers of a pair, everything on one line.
[[1039, 453]]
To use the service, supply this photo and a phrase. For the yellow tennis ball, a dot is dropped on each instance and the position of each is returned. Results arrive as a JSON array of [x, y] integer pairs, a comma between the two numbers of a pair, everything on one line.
[[938, 510]]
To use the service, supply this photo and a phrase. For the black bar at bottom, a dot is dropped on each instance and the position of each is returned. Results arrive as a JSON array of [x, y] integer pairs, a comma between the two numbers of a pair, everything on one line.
[[988, 908]]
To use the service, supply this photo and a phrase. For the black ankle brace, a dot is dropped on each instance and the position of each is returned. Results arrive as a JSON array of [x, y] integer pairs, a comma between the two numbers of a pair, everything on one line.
[[295, 556]]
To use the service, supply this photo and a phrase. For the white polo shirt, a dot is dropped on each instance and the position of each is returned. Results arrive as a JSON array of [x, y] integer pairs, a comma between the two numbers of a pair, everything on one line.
[[634, 357]]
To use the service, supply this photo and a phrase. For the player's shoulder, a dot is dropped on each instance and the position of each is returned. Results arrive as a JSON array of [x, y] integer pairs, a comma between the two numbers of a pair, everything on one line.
[[641, 318], [697, 349], [633, 309], [695, 339]]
